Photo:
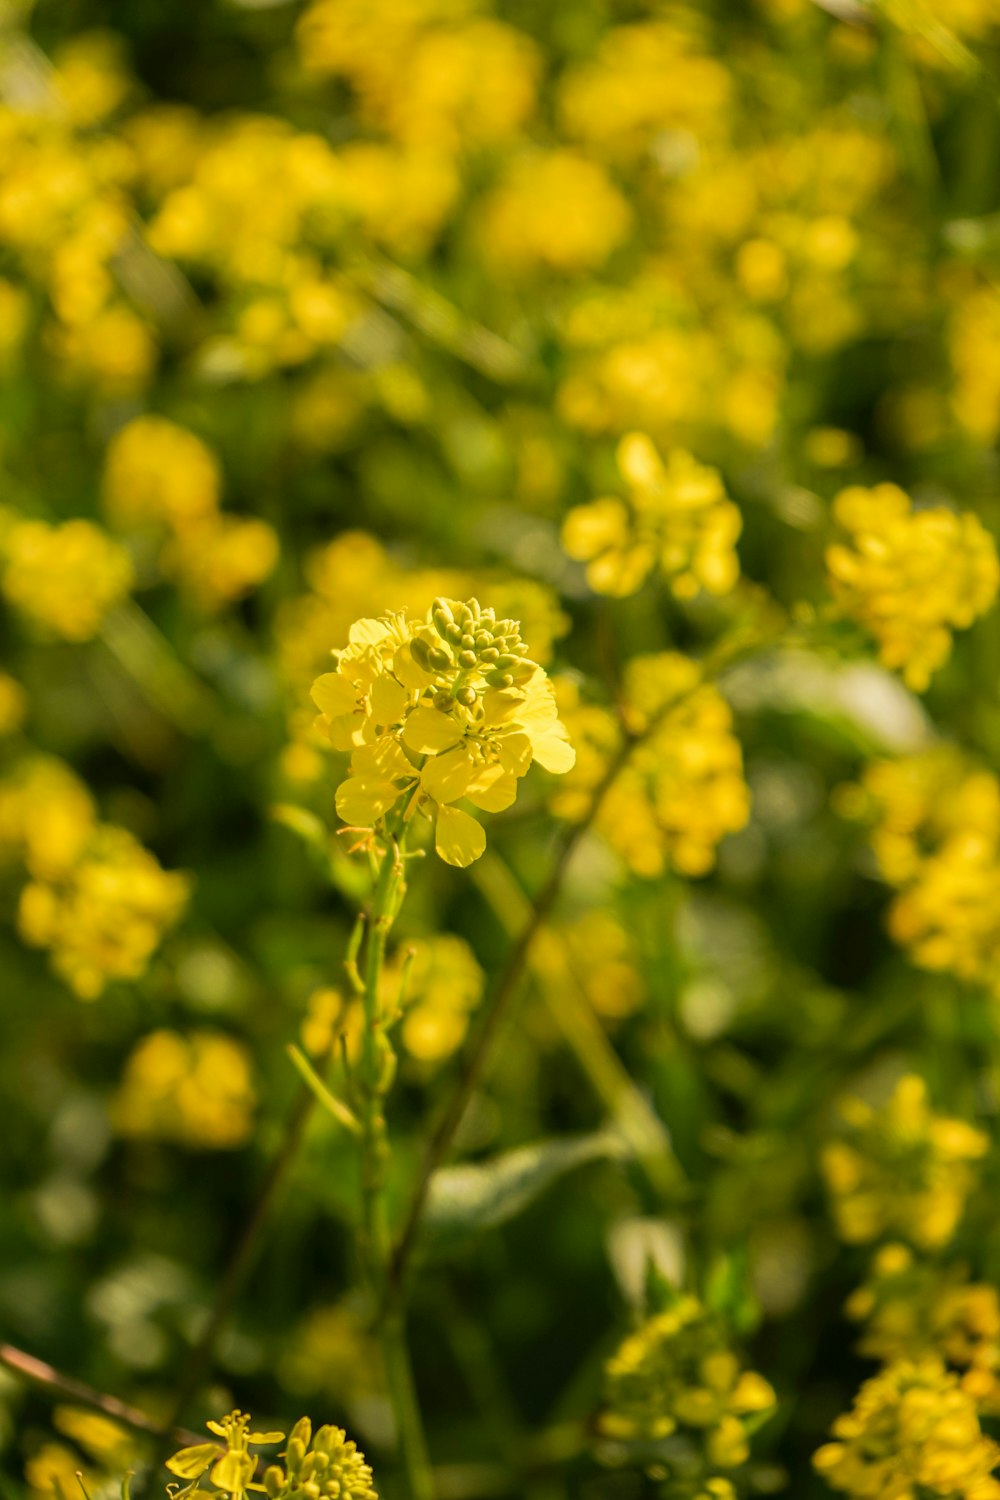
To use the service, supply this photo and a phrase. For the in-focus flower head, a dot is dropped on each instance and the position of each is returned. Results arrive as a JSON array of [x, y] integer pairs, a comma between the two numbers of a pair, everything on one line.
[[911, 1432], [901, 1169], [437, 712], [678, 521], [910, 577]]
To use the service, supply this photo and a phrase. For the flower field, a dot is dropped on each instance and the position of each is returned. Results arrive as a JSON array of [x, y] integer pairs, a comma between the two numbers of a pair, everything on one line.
[[499, 750]]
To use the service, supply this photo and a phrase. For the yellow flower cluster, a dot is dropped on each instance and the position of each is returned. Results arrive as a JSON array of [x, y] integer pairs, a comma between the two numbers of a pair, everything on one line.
[[681, 789], [902, 1169], [678, 1373], [937, 842], [432, 75], [159, 477], [553, 210], [910, 577], [65, 215], [602, 958], [436, 713], [678, 522], [323, 1465], [195, 1089], [912, 1432], [911, 1310], [64, 578], [95, 898]]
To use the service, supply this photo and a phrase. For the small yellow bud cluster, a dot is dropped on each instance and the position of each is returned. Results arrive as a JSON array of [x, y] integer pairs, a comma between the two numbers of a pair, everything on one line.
[[937, 841], [678, 521], [677, 1372], [912, 1432], [910, 577], [65, 578], [96, 898], [903, 1170], [682, 788], [196, 1090], [160, 477], [326, 1466], [438, 712], [912, 1309]]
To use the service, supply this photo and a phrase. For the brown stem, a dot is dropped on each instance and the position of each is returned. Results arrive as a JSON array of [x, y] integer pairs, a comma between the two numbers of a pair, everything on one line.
[[39, 1373]]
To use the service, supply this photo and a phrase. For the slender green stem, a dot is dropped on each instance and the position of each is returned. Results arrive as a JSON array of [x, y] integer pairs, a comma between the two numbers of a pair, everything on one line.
[[375, 1077]]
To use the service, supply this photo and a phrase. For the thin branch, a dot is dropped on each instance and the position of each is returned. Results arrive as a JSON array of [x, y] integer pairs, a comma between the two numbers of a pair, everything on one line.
[[498, 1001], [40, 1373]]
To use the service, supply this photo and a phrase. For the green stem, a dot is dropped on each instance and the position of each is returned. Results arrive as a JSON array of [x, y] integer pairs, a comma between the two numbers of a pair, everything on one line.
[[375, 1071]]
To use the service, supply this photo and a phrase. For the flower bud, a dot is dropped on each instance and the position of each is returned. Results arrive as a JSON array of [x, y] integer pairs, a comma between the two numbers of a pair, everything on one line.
[[467, 659], [467, 697], [439, 660], [273, 1481]]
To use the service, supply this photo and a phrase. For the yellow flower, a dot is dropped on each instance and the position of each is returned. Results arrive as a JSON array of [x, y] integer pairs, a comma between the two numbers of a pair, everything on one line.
[[324, 1466], [912, 1309], [677, 1372], [681, 790], [195, 1089], [910, 577], [901, 1169], [156, 472], [438, 713], [912, 1431], [103, 917], [553, 210], [937, 841], [66, 578], [443, 987], [678, 522]]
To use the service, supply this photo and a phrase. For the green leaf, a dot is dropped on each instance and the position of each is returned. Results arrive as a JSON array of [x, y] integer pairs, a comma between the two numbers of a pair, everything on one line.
[[465, 1200]]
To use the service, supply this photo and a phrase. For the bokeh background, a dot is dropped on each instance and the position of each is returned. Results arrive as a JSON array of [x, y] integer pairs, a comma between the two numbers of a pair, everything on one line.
[[310, 311]]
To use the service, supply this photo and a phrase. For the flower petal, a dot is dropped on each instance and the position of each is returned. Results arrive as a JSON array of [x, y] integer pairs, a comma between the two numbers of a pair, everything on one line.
[[388, 699], [334, 695], [446, 777], [428, 732], [190, 1462], [360, 801], [552, 749], [458, 838], [493, 789], [234, 1471]]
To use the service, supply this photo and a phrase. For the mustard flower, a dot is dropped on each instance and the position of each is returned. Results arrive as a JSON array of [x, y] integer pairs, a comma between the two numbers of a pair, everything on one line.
[[901, 1169], [195, 1089], [911, 1432], [324, 1466], [682, 789], [65, 578], [912, 1309], [936, 838], [436, 713], [553, 210], [677, 522], [677, 1372], [910, 577]]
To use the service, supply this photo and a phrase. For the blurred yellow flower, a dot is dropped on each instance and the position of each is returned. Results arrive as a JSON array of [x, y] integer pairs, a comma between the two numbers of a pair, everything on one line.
[[901, 1169], [912, 1431], [195, 1089], [910, 577], [678, 522], [65, 578]]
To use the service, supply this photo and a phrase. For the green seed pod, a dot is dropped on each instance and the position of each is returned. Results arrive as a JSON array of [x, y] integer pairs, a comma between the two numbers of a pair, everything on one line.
[[467, 659], [467, 697], [438, 659]]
